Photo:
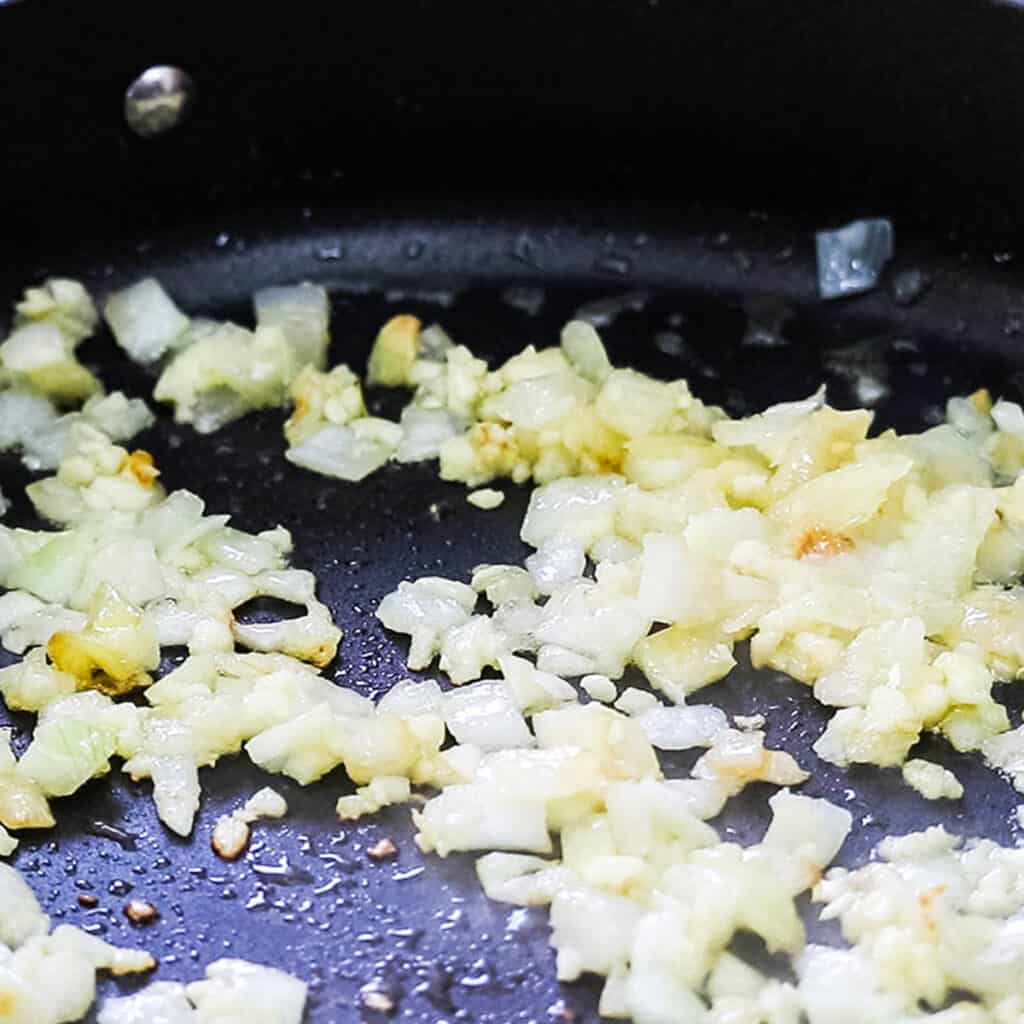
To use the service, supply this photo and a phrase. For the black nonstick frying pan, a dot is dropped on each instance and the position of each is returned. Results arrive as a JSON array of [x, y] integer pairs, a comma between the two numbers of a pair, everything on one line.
[[305, 130]]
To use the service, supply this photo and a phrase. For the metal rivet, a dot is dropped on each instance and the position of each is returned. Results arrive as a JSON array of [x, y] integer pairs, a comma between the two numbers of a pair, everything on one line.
[[158, 99]]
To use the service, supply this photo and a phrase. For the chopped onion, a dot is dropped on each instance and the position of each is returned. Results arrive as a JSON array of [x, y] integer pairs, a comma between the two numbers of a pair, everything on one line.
[[231, 833], [424, 431], [340, 451], [931, 780], [485, 715], [485, 498], [62, 302], [302, 313], [145, 321], [681, 728]]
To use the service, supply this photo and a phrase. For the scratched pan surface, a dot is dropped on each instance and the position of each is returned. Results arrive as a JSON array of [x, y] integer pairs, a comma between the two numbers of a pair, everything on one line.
[[727, 302]]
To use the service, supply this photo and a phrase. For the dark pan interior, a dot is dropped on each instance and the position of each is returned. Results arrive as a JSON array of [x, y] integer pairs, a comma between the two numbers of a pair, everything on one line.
[[726, 300]]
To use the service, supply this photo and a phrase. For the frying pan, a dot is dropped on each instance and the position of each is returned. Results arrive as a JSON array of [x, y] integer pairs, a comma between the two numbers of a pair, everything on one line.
[[308, 136]]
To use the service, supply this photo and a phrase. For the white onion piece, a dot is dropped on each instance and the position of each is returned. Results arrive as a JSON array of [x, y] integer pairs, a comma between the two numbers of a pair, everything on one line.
[[144, 320], [558, 561], [423, 433], [1009, 417], [581, 507], [635, 702], [62, 302], [599, 688], [931, 780], [21, 917], [340, 452], [302, 313], [163, 1002], [683, 727], [237, 992], [583, 348], [409, 697], [485, 715]]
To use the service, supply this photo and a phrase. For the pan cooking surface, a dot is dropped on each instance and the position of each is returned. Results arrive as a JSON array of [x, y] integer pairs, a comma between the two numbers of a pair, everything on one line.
[[306, 896]]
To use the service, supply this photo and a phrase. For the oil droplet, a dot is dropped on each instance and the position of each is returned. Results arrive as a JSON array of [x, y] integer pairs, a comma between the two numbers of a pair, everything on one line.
[[126, 840]]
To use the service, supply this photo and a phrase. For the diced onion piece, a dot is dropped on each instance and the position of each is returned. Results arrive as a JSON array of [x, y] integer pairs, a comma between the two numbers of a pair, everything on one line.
[[558, 561], [231, 833], [679, 661], [599, 688], [8, 844], [237, 991], [581, 508], [63, 302], [635, 702], [323, 398], [519, 878], [683, 727], [41, 356], [394, 352], [485, 715], [424, 431], [23, 414], [65, 754], [583, 348], [485, 498], [225, 374], [145, 321], [382, 791], [302, 313], [531, 689], [807, 833], [22, 918], [931, 780], [163, 1002], [341, 452]]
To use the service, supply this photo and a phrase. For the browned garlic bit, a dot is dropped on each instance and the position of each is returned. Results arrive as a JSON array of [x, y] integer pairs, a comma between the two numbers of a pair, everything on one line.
[[140, 912], [383, 849], [232, 831]]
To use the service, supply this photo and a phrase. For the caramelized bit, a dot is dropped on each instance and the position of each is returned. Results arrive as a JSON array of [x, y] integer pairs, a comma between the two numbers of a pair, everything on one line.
[[394, 351], [140, 912], [819, 541], [385, 849], [140, 464], [230, 838], [87, 900], [981, 400]]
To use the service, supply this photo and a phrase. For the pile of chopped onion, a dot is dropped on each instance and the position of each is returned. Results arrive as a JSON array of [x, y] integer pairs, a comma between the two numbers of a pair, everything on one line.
[[663, 533], [791, 528]]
